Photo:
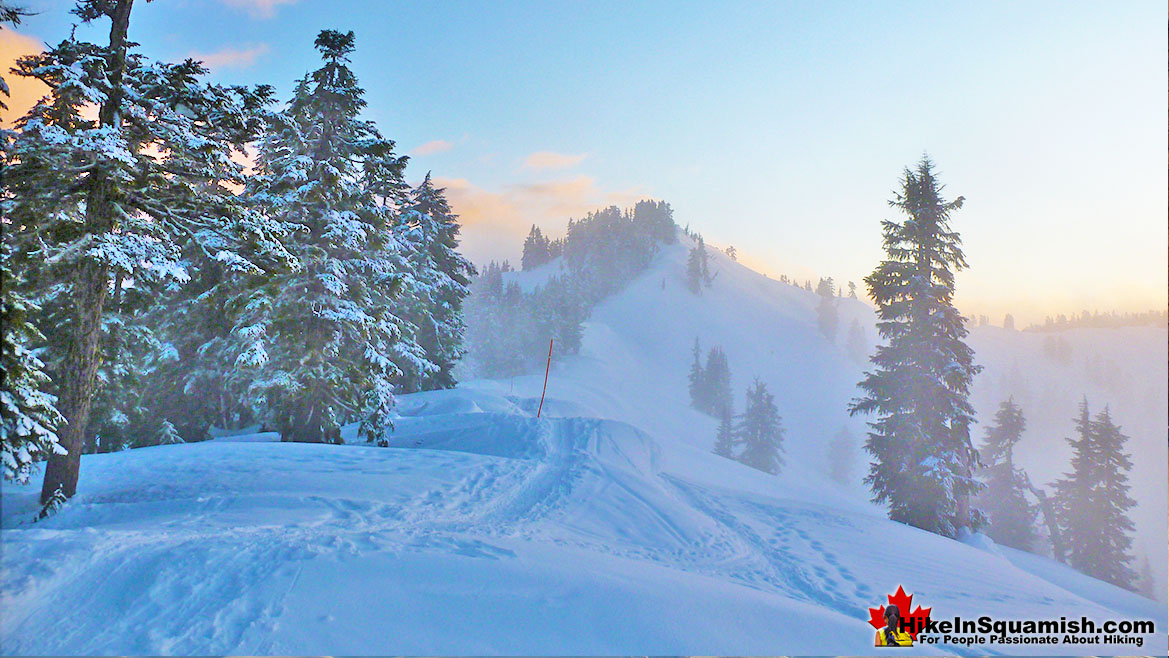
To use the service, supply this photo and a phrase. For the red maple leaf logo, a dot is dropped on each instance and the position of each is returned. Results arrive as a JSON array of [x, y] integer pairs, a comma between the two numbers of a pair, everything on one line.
[[914, 621]]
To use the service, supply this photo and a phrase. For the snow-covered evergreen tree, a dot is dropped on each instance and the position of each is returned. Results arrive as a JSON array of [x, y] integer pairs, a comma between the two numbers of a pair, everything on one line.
[[696, 378], [717, 382], [710, 384], [28, 417], [1093, 501], [167, 434], [655, 219], [826, 315], [698, 268], [760, 431], [10, 14], [537, 250], [437, 283], [923, 458], [1011, 517], [124, 194], [326, 342], [725, 440]]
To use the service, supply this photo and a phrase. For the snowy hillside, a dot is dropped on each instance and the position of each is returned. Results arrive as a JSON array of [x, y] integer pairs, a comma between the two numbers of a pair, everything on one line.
[[604, 527], [640, 340]]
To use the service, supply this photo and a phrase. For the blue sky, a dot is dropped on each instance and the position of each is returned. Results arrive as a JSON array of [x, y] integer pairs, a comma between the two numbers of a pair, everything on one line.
[[780, 128]]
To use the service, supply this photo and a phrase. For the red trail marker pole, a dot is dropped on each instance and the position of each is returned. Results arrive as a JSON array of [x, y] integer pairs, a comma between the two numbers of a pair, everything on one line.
[[546, 369]]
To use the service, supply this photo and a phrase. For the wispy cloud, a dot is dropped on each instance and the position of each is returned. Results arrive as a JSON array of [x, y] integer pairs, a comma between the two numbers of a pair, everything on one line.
[[432, 147], [258, 8], [25, 91], [550, 160], [232, 58], [495, 221]]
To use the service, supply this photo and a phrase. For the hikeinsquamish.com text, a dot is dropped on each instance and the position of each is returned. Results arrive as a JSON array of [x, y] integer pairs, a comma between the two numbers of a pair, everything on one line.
[[1062, 631]]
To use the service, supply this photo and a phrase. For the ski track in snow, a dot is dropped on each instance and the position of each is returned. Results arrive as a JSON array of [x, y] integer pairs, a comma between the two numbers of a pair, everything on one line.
[[198, 583]]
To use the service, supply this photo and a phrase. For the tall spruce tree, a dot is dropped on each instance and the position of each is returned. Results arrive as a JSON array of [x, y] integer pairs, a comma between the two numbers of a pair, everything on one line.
[[1011, 517], [760, 431], [924, 462], [28, 415], [1093, 501], [125, 195], [326, 344], [440, 280]]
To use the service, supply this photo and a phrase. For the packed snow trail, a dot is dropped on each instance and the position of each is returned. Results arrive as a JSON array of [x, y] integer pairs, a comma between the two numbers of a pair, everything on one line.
[[480, 532]]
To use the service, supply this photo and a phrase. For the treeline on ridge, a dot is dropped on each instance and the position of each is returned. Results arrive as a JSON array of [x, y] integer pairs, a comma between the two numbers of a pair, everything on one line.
[[509, 328]]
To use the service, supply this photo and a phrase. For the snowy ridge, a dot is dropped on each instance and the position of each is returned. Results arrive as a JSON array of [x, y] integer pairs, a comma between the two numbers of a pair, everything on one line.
[[604, 527]]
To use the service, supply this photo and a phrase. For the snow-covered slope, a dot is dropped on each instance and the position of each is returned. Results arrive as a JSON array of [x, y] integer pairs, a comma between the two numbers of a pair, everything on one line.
[[604, 527]]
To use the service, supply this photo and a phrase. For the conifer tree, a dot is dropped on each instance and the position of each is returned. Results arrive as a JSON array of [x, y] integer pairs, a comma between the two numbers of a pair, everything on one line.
[[841, 456], [697, 379], [717, 396], [28, 417], [851, 290], [1147, 584], [698, 268], [1093, 501], [656, 220], [694, 271], [537, 250], [129, 194], [760, 431], [1011, 517], [826, 315], [440, 280], [858, 348], [12, 15], [167, 434], [1009, 322], [923, 458], [725, 440], [327, 343]]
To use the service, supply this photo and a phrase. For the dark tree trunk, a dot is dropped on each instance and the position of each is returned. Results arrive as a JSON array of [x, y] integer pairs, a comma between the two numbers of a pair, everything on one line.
[[80, 378], [1047, 507], [90, 290]]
